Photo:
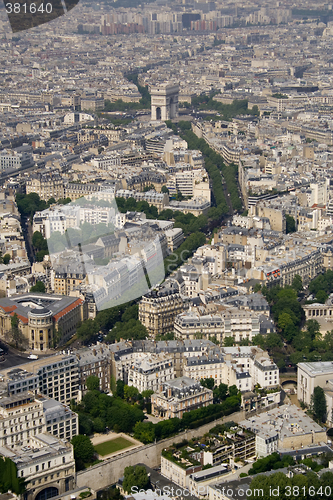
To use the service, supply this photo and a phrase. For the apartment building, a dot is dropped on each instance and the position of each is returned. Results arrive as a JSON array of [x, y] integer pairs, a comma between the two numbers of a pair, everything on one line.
[[230, 155], [283, 428], [277, 218], [106, 162], [60, 420], [304, 261], [47, 185], [232, 322], [47, 465], [175, 238], [19, 159], [196, 206], [159, 200], [178, 396], [251, 360], [55, 376], [215, 255], [123, 354], [92, 103], [26, 415], [64, 281], [177, 470], [237, 444], [205, 365], [159, 308], [148, 371], [94, 362]]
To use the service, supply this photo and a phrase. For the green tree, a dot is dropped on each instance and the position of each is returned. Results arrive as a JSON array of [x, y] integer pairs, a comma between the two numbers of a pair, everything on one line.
[[290, 224], [135, 476], [313, 328], [257, 288], [208, 383], [228, 341], [221, 392], [284, 321], [92, 383], [321, 296], [6, 259], [297, 283], [233, 391], [84, 451], [38, 287], [86, 330], [144, 432], [8, 477], [130, 392], [164, 189], [318, 404], [120, 386], [15, 333]]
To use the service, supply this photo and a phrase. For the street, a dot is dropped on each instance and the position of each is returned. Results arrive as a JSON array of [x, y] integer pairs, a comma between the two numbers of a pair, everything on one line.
[[14, 358]]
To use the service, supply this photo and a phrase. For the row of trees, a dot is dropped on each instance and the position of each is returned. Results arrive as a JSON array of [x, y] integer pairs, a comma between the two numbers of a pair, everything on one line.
[[123, 412], [40, 245], [215, 166], [184, 251], [299, 487], [29, 204], [131, 205], [121, 317], [227, 111], [189, 223], [273, 461], [303, 343], [120, 105], [147, 432]]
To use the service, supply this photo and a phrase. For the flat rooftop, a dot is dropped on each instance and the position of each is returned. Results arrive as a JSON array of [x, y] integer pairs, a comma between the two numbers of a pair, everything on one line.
[[317, 367]]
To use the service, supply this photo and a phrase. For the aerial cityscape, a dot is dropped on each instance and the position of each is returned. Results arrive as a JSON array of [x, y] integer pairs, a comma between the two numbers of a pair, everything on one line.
[[166, 250]]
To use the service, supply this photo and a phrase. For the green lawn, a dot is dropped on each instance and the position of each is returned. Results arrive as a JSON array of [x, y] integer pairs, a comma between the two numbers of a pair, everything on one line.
[[112, 446]]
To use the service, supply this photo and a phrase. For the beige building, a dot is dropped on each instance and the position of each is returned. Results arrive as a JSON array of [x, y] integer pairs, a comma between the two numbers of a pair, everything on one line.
[[311, 375], [43, 320], [33, 430], [282, 428], [178, 396], [231, 322], [159, 308], [47, 465], [277, 218], [149, 371], [47, 185], [175, 238]]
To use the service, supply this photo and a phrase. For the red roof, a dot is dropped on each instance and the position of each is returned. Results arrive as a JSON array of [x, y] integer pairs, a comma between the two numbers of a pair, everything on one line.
[[67, 309], [22, 318], [8, 309]]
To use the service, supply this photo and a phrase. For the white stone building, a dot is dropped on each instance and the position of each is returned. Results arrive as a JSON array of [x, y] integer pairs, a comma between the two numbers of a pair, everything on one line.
[[149, 371]]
